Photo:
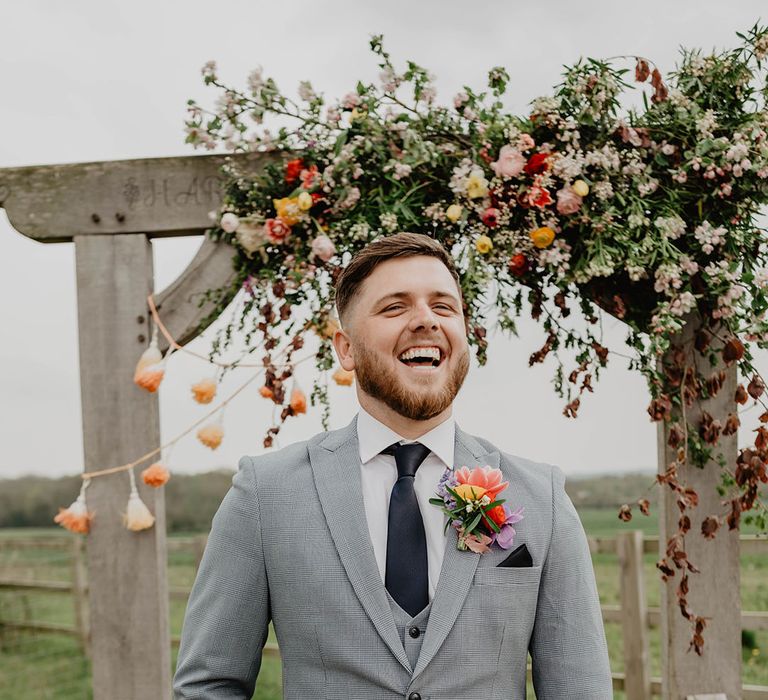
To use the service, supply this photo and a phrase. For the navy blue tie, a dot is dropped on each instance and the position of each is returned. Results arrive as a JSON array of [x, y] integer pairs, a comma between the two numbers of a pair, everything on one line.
[[407, 577]]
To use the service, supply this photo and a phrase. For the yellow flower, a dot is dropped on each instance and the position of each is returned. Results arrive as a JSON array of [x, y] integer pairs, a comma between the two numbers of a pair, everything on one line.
[[477, 185], [581, 188], [454, 212], [343, 378], [304, 200], [288, 209], [355, 114], [542, 237], [204, 390], [211, 435], [484, 245], [470, 492]]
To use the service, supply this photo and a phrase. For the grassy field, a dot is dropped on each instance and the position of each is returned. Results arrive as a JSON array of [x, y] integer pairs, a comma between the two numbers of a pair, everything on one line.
[[36, 666]]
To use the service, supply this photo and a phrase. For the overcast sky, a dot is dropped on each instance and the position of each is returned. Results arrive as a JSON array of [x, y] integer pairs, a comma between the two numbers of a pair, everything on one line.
[[89, 81]]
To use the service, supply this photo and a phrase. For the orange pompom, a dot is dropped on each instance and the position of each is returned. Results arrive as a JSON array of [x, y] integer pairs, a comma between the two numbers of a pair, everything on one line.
[[155, 475], [150, 378], [204, 391], [343, 378], [266, 392], [211, 435], [76, 518]]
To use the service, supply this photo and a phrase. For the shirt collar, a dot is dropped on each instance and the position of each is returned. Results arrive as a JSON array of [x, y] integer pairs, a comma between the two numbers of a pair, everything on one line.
[[373, 437]]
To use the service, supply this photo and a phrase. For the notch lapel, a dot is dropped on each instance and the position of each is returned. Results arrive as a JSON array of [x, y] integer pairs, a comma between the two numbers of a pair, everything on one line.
[[458, 566], [336, 469]]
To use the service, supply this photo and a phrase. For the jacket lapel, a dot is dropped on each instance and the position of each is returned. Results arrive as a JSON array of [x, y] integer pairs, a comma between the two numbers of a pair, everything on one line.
[[458, 567], [336, 469]]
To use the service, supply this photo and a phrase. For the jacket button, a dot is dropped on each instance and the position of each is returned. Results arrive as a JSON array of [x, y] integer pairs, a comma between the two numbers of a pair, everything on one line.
[[414, 632], [414, 696]]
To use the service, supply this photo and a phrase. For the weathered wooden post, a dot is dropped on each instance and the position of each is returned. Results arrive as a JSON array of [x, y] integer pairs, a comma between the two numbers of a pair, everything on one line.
[[80, 594], [715, 592], [111, 211], [634, 617]]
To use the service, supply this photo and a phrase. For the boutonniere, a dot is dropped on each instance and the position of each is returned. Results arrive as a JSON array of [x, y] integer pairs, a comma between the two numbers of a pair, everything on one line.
[[469, 497]]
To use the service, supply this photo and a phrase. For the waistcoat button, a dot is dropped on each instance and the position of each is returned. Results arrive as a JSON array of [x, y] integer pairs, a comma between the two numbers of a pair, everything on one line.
[[414, 696], [414, 632]]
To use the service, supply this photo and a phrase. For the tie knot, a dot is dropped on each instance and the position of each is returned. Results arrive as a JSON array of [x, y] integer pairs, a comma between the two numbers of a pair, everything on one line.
[[408, 458]]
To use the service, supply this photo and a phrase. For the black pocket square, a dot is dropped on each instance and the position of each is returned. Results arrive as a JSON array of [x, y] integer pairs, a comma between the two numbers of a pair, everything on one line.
[[520, 557]]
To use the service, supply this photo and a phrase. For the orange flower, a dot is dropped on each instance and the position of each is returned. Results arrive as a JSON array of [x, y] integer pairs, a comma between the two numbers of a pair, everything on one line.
[[266, 392], [328, 327], [542, 237], [76, 518], [485, 477], [204, 390], [211, 435], [298, 401], [155, 475], [343, 378], [288, 209]]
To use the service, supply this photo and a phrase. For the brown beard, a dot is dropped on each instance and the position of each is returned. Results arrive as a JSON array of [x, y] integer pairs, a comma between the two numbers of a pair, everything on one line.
[[383, 385]]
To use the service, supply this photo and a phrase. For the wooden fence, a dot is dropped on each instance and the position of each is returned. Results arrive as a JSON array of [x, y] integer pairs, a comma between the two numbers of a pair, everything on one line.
[[635, 617]]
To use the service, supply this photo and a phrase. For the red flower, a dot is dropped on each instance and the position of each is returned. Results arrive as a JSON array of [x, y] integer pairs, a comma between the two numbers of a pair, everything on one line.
[[539, 196], [276, 230], [490, 217], [498, 515], [308, 177], [316, 197], [293, 169], [537, 163], [518, 265]]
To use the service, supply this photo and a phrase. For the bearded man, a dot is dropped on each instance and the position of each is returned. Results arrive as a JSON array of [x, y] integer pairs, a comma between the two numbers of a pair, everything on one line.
[[335, 541]]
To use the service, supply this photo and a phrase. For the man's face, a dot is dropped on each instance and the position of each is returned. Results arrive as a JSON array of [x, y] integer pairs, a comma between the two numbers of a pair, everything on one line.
[[406, 336]]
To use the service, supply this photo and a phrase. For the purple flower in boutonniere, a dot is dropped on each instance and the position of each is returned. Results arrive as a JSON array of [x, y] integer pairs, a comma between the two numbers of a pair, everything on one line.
[[469, 497]]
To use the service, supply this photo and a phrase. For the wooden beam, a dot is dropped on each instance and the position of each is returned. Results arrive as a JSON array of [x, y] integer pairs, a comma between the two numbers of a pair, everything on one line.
[[156, 197], [127, 577], [714, 593]]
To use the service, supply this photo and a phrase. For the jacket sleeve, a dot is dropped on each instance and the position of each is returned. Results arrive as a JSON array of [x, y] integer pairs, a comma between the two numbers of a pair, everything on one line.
[[568, 647], [228, 614]]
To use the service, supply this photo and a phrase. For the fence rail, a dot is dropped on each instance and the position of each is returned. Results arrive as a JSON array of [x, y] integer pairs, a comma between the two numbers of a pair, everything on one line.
[[632, 613]]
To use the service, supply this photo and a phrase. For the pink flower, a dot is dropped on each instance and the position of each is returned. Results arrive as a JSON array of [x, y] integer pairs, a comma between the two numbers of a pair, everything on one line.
[[525, 142], [568, 202], [510, 163], [490, 217], [276, 230], [350, 100], [477, 543], [486, 477], [323, 248]]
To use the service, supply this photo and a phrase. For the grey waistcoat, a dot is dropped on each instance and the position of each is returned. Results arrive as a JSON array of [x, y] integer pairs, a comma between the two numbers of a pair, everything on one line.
[[404, 623]]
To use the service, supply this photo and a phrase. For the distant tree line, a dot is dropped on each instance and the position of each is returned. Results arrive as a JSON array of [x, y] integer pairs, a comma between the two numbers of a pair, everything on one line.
[[192, 499]]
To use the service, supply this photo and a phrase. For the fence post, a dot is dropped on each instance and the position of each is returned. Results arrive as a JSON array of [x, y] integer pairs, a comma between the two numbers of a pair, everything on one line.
[[80, 594], [634, 617]]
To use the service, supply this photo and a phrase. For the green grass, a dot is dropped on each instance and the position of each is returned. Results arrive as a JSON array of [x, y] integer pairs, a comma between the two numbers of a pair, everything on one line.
[[37, 666]]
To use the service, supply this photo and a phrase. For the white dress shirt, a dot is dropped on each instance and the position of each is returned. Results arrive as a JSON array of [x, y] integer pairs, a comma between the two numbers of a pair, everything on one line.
[[379, 474]]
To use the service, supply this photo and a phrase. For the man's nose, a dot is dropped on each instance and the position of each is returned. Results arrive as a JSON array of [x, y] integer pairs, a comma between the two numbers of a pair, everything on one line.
[[423, 318]]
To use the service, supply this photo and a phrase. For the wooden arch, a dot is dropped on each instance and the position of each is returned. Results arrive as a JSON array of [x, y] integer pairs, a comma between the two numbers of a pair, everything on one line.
[[111, 211]]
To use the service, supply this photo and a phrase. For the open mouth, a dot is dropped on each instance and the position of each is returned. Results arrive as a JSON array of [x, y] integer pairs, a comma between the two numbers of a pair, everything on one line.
[[428, 356]]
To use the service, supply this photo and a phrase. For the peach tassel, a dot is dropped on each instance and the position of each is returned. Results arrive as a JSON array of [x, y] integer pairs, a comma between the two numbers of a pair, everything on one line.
[[76, 518], [343, 377], [298, 401], [137, 516], [150, 369]]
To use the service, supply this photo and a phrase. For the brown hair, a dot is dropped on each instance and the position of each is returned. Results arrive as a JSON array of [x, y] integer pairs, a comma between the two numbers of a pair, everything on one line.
[[400, 245]]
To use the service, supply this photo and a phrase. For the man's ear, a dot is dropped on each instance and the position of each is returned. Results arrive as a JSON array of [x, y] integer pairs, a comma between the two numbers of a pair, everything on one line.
[[342, 343]]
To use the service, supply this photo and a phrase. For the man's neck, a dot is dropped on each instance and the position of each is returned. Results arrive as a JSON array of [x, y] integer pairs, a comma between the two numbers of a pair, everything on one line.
[[405, 427]]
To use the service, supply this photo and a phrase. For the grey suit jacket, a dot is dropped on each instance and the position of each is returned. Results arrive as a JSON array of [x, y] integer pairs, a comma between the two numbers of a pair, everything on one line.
[[290, 544]]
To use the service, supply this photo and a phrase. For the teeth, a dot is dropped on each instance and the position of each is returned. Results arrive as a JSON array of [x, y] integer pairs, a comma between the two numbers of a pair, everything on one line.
[[430, 352]]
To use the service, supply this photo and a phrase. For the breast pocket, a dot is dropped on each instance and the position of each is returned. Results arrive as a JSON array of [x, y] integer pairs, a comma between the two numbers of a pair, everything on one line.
[[507, 576]]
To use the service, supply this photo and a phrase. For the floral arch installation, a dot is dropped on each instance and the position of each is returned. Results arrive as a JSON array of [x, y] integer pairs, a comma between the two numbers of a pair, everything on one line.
[[649, 215]]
